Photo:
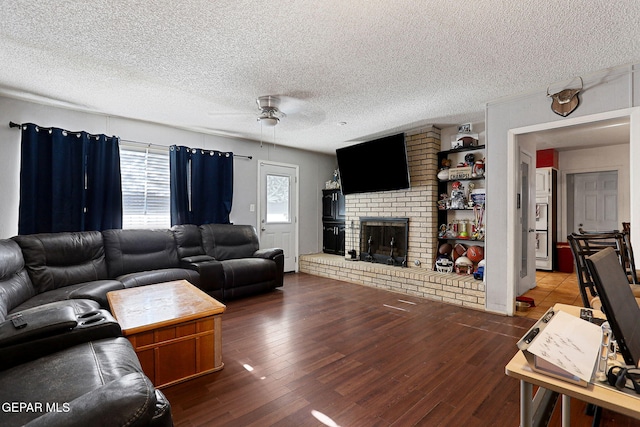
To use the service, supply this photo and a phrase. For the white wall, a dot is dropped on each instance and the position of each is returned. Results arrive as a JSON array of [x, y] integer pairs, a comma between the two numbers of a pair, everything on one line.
[[315, 168], [605, 93]]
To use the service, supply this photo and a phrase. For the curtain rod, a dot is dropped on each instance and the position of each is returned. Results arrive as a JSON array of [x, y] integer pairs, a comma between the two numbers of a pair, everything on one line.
[[148, 144], [164, 146]]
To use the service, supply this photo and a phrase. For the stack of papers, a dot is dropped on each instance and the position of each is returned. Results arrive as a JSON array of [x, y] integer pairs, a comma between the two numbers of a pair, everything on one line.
[[564, 346]]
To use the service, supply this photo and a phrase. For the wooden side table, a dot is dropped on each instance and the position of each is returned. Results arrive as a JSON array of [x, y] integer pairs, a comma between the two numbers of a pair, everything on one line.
[[174, 327]]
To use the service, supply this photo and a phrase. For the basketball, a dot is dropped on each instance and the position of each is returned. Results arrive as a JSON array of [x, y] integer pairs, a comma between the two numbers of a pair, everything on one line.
[[475, 254]]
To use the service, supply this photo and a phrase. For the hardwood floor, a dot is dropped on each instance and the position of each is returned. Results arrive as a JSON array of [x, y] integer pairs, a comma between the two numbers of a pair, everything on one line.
[[324, 352]]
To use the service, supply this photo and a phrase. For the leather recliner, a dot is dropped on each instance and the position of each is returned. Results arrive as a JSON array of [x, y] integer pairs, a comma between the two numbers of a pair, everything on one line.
[[192, 256], [97, 383], [247, 268], [65, 364]]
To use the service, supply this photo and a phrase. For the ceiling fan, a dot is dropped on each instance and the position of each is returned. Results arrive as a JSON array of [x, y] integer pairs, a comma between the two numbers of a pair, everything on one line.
[[270, 113], [272, 108]]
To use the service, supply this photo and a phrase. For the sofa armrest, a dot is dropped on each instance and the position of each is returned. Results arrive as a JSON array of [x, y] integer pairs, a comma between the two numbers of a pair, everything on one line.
[[196, 258], [49, 330], [277, 256], [211, 274], [270, 253], [36, 325], [130, 400]]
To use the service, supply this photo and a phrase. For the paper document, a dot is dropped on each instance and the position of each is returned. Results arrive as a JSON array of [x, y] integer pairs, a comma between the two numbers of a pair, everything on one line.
[[570, 343]]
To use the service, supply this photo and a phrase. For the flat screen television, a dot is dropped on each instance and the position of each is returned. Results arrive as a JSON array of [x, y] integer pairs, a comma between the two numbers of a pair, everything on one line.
[[378, 165]]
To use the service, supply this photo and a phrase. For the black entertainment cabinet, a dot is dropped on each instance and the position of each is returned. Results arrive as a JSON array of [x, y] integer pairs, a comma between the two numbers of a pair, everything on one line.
[[333, 221]]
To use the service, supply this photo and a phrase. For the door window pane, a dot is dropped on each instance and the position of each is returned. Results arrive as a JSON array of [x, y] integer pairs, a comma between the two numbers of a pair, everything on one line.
[[278, 191]]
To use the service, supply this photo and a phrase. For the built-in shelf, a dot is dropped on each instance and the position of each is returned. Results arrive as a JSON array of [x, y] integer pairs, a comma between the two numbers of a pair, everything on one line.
[[461, 150], [448, 216], [473, 178]]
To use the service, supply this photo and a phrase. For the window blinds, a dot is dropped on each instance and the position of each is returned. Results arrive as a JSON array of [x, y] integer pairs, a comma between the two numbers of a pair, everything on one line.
[[145, 187]]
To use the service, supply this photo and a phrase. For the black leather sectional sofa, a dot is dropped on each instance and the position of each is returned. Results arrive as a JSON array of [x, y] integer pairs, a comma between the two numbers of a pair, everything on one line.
[[63, 360]]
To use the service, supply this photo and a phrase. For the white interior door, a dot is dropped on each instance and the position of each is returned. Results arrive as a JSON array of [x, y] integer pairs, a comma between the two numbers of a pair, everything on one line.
[[527, 216], [278, 210], [595, 205]]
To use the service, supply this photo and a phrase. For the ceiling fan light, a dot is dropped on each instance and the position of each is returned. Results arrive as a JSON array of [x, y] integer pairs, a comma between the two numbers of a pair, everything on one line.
[[269, 121]]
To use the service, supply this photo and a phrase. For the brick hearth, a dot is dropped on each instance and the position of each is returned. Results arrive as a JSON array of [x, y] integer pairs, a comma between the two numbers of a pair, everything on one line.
[[446, 287]]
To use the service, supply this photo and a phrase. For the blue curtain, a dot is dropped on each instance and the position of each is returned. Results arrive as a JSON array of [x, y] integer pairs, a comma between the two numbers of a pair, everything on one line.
[[69, 181], [179, 176], [103, 195], [201, 186]]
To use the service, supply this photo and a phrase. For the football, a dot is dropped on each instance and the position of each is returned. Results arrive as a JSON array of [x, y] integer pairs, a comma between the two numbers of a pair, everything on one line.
[[475, 254], [445, 249]]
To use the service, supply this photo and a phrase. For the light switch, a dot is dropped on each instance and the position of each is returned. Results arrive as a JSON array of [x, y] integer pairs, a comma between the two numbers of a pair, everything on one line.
[[252, 207]]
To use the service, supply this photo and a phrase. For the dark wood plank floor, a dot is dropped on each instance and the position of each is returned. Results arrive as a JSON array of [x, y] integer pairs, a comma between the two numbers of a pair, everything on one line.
[[324, 352]]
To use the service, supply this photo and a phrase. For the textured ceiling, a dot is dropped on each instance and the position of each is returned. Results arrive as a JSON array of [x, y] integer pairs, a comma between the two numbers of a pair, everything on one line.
[[380, 66]]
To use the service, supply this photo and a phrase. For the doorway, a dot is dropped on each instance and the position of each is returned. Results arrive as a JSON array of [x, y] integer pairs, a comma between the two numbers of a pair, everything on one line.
[[278, 210], [586, 127]]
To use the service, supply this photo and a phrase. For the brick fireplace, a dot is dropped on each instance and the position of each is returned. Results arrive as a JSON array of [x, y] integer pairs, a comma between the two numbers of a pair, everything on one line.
[[418, 205]]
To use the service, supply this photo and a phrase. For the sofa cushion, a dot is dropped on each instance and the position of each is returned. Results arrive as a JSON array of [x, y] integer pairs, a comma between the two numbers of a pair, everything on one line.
[[54, 260], [130, 251], [15, 285], [227, 241], [188, 241], [94, 381]]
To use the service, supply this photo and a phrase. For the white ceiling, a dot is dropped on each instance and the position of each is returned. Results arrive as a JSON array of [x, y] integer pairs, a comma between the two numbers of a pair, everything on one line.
[[593, 134], [380, 66]]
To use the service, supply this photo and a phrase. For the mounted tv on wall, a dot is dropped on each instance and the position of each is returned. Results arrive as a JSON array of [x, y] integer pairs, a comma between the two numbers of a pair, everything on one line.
[[378, 165]]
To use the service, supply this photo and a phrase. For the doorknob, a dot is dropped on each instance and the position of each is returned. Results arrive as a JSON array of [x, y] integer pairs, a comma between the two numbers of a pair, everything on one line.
[[531, 230], [263, 229]]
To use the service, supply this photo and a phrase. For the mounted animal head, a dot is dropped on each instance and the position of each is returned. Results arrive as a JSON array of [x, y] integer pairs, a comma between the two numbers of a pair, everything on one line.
[[565, 101]]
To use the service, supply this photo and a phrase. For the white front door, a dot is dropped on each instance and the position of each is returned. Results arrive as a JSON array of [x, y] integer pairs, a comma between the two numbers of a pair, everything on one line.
[[278, 210], [595, 205], [526, 208]]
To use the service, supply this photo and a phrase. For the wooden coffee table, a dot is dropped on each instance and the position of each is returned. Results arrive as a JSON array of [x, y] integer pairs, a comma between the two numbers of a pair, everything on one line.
[[174, 327]]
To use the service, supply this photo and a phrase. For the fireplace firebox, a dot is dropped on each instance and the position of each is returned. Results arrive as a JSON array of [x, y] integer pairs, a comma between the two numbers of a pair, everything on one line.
[[384, 240]]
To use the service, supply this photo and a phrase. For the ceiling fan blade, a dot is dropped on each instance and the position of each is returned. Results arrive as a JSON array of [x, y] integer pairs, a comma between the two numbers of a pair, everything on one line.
[[291, 105], [237, 114]]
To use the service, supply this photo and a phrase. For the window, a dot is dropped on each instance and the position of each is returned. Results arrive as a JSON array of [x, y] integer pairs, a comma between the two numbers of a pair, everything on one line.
[[145, 187], [278, 206]]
